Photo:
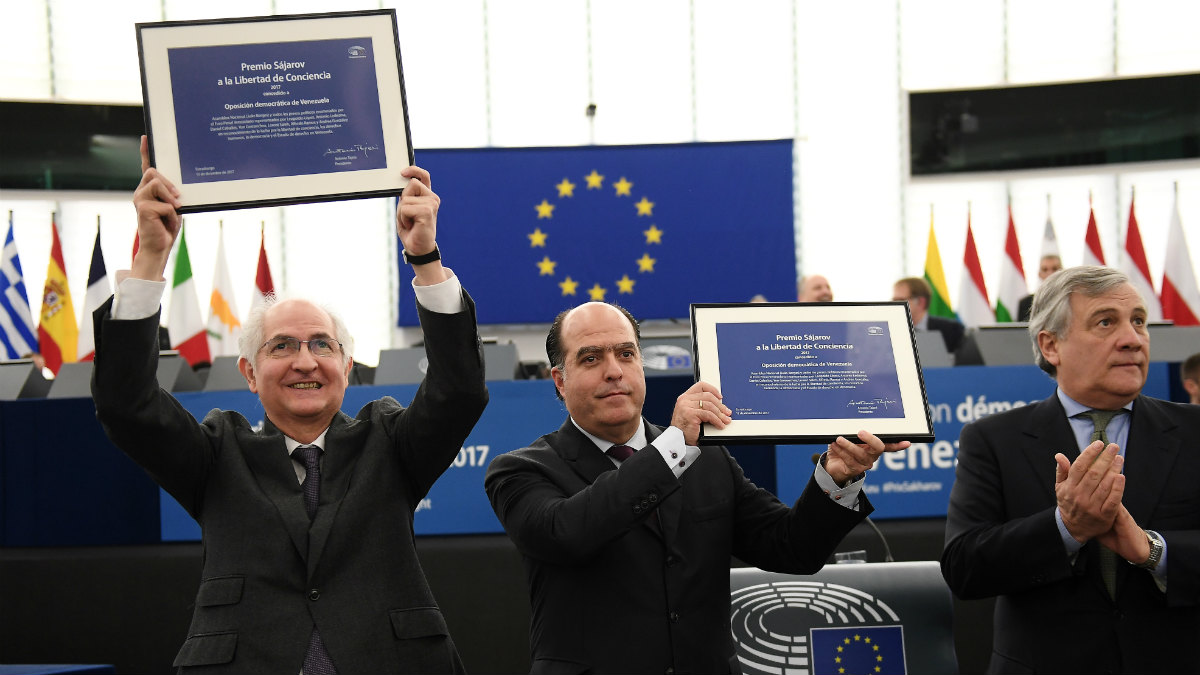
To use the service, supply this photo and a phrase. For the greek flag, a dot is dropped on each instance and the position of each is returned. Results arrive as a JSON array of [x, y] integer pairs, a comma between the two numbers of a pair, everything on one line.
[[16, 321]]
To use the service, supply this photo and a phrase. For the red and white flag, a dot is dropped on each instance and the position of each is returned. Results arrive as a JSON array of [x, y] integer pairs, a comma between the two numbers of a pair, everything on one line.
[[1134, 265], [1180, 294], [973, 306], [1093, 253], [263, 286]]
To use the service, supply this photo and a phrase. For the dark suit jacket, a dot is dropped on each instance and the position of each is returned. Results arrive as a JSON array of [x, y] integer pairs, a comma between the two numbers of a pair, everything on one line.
[[951, 330], [628, 569], [1002, 540], [269, 574], [1024, 307]]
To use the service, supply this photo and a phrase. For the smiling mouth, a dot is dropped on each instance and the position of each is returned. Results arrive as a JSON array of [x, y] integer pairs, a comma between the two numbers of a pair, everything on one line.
[[305, 385]]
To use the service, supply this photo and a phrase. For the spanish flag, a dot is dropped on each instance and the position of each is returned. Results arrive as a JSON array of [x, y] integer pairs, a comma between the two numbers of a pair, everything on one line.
[[58, 334]]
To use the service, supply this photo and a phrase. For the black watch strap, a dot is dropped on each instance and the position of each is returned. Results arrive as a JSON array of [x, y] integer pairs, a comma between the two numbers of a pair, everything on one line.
[[411, 259]]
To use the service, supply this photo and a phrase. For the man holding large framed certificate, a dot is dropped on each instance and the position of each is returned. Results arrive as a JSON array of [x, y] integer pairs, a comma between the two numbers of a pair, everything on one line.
[[306, 518]]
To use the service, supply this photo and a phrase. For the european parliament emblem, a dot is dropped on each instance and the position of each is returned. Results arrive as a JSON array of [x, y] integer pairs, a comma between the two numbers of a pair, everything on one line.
[[815, 628]]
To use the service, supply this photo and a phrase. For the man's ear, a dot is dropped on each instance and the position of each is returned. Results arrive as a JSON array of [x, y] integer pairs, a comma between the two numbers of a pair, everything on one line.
[[1048, 344], [248, 373], [557, 375], [349, 367]]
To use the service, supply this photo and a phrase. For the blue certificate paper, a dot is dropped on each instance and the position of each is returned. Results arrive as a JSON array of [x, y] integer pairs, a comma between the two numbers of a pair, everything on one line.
[[846, 367], [276, 109], [798, 372]]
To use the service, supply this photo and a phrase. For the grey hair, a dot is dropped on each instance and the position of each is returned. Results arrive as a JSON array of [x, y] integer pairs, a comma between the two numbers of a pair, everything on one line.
[[1051, 310], [253, 337]]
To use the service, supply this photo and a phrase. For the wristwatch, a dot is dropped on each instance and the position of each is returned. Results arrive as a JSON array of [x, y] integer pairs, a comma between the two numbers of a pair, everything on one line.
[[1156, 551], [411, 259]]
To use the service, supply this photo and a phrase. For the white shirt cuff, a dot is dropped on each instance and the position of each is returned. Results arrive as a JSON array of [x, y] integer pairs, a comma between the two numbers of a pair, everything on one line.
[[444, 297], [679, 457], [136, 298], [846, 496]]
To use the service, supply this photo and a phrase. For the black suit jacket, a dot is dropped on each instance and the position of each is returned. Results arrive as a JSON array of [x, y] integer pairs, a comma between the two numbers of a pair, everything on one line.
[[628, 569], [1053, 616], [951, 330], [1024, 307], [269, 573]]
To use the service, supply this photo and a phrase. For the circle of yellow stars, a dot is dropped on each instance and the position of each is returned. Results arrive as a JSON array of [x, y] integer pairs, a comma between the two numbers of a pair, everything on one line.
[[864, 641], [622, 187]]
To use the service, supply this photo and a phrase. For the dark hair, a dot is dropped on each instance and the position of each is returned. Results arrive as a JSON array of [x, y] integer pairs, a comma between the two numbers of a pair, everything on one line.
[[554, 347], [1190, 368], [917, 288]]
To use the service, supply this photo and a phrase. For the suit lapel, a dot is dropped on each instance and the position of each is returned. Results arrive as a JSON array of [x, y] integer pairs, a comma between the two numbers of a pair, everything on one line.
[[1150, 454], [343, 446], [1048, 433], [580, 453], [266, 455]]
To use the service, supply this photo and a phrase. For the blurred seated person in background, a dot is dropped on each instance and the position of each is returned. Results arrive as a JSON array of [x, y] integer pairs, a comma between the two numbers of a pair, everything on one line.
[[1048, 265], [814, 288], [917, 293], [1189, 372]]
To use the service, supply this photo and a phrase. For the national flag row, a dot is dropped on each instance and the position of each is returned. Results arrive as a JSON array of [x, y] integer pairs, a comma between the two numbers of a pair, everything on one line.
[[57, 337], [1176, 299]]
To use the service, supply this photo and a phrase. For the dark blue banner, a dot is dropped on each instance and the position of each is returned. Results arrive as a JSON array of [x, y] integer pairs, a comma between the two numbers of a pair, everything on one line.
[[533, 231], [276, 109]]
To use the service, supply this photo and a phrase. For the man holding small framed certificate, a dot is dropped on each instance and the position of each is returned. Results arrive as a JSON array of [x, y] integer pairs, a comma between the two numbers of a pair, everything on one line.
[[627, 528]]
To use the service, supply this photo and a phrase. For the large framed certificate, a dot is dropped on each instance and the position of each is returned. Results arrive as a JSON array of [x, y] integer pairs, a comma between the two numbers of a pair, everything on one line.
[[276, 110], [810, 372]]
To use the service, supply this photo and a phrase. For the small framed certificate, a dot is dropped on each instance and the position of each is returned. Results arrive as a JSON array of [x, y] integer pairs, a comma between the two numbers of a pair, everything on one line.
[[798, 373], [276, 110]]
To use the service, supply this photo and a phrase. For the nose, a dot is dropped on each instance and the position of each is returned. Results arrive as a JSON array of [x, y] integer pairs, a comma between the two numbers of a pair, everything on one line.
[[1132, 337], [612, 368], [304, 359]]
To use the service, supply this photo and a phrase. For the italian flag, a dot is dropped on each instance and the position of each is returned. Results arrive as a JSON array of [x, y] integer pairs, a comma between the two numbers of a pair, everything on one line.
[[184, 322], [1012, 276]]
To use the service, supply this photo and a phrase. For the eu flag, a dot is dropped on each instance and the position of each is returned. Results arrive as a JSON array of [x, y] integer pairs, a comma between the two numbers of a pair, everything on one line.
[[533, 231], [873, 650]]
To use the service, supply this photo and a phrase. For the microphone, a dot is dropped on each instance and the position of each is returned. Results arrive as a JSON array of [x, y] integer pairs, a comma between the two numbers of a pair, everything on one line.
[[887, 550]]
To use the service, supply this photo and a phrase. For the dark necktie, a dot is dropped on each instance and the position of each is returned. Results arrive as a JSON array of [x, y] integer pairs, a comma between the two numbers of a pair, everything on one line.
[[316, 659], [1108, 559], [620, 452]]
